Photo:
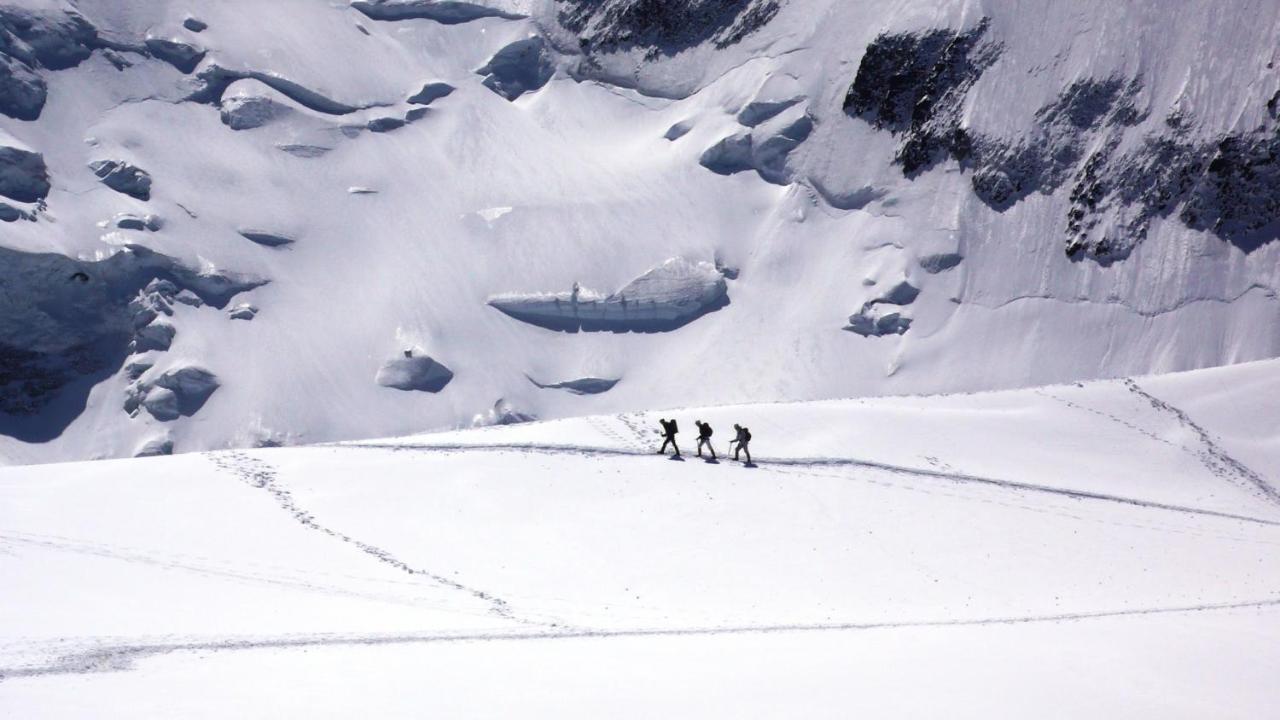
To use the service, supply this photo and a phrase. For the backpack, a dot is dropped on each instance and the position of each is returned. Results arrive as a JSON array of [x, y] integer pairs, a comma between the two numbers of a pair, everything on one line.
[[674, 427], [706, 430], [746, 435]]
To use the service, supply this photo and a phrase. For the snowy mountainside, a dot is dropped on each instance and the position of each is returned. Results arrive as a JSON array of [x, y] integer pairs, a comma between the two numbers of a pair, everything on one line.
[[241, 223]]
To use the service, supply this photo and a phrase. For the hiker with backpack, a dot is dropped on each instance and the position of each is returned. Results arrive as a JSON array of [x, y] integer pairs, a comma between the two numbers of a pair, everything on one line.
[[742, 439], [669, 430], [704, 438]]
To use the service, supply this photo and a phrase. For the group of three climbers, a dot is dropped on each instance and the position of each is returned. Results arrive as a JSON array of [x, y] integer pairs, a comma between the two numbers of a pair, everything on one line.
[[742, 439]]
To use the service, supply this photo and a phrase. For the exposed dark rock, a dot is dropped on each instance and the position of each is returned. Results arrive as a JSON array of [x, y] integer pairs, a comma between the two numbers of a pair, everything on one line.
[[22, 91], [195, 25], [266, 239], [214, 80], [914, 84], [1008, 172], [129, 221], [874, 319], [430, 93], [183, 56], [414, 371], [23, 175], [9, 213], [730, 155], [503, 413], [892, 323], [934, 264], [304, 151], [521, 67], [53, 39], [580, 386], [385, 124], [662, 27], [679, 130], [446, 12], [123, 178]]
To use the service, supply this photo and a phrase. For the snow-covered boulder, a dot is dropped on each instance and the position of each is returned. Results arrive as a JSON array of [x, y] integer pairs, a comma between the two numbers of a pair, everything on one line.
[[190, 385], [414, 371], [665, 298], [154, 446]]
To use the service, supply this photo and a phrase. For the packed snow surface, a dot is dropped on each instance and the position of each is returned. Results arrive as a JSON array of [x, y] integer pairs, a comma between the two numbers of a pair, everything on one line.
[[1106, 549]]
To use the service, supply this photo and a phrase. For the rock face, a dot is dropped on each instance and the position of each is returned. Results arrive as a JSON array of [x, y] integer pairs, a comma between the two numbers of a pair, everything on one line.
[[22, 91], [191, 387], [661, 27], [580, 386], [66, 324], [129, 221], [521, 67], [183, 56], [414, 371], [666, 298], [123, 178], [23, 175], [214, 80], [914, 84], [446, 12], [32, 39]]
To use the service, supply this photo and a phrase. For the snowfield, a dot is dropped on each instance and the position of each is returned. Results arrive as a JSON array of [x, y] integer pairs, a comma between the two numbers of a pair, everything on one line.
[[1104, 549], [1084, 193]]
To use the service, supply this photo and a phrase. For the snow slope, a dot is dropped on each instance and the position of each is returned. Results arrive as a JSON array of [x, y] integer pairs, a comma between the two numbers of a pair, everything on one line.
[[1065, 551], [396, 223]]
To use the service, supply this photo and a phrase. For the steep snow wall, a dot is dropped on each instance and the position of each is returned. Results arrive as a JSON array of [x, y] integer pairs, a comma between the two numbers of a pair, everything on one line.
[[1071, 190]]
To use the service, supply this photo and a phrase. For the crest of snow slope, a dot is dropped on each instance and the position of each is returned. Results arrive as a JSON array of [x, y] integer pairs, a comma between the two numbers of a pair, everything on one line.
[[598, 196], [1057, 551]]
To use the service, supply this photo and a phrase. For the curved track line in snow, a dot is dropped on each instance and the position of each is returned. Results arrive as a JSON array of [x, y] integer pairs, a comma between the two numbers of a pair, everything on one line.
[[261, 475], [107, 658], [1215, 458], [826, 462]]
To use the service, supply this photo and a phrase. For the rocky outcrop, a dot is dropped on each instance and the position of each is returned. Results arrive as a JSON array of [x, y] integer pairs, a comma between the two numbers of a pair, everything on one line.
[[913, 85], [183, 56], [665, 298], [31, 40], [431, 92], [265, 238], [660, 27], [123, 178], [884, 315], [23, 175]]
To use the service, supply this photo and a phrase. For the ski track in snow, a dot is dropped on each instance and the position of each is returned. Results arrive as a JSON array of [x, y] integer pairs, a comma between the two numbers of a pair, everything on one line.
[[108, 658], [824, 462], [259, 474], [1214, 457]]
